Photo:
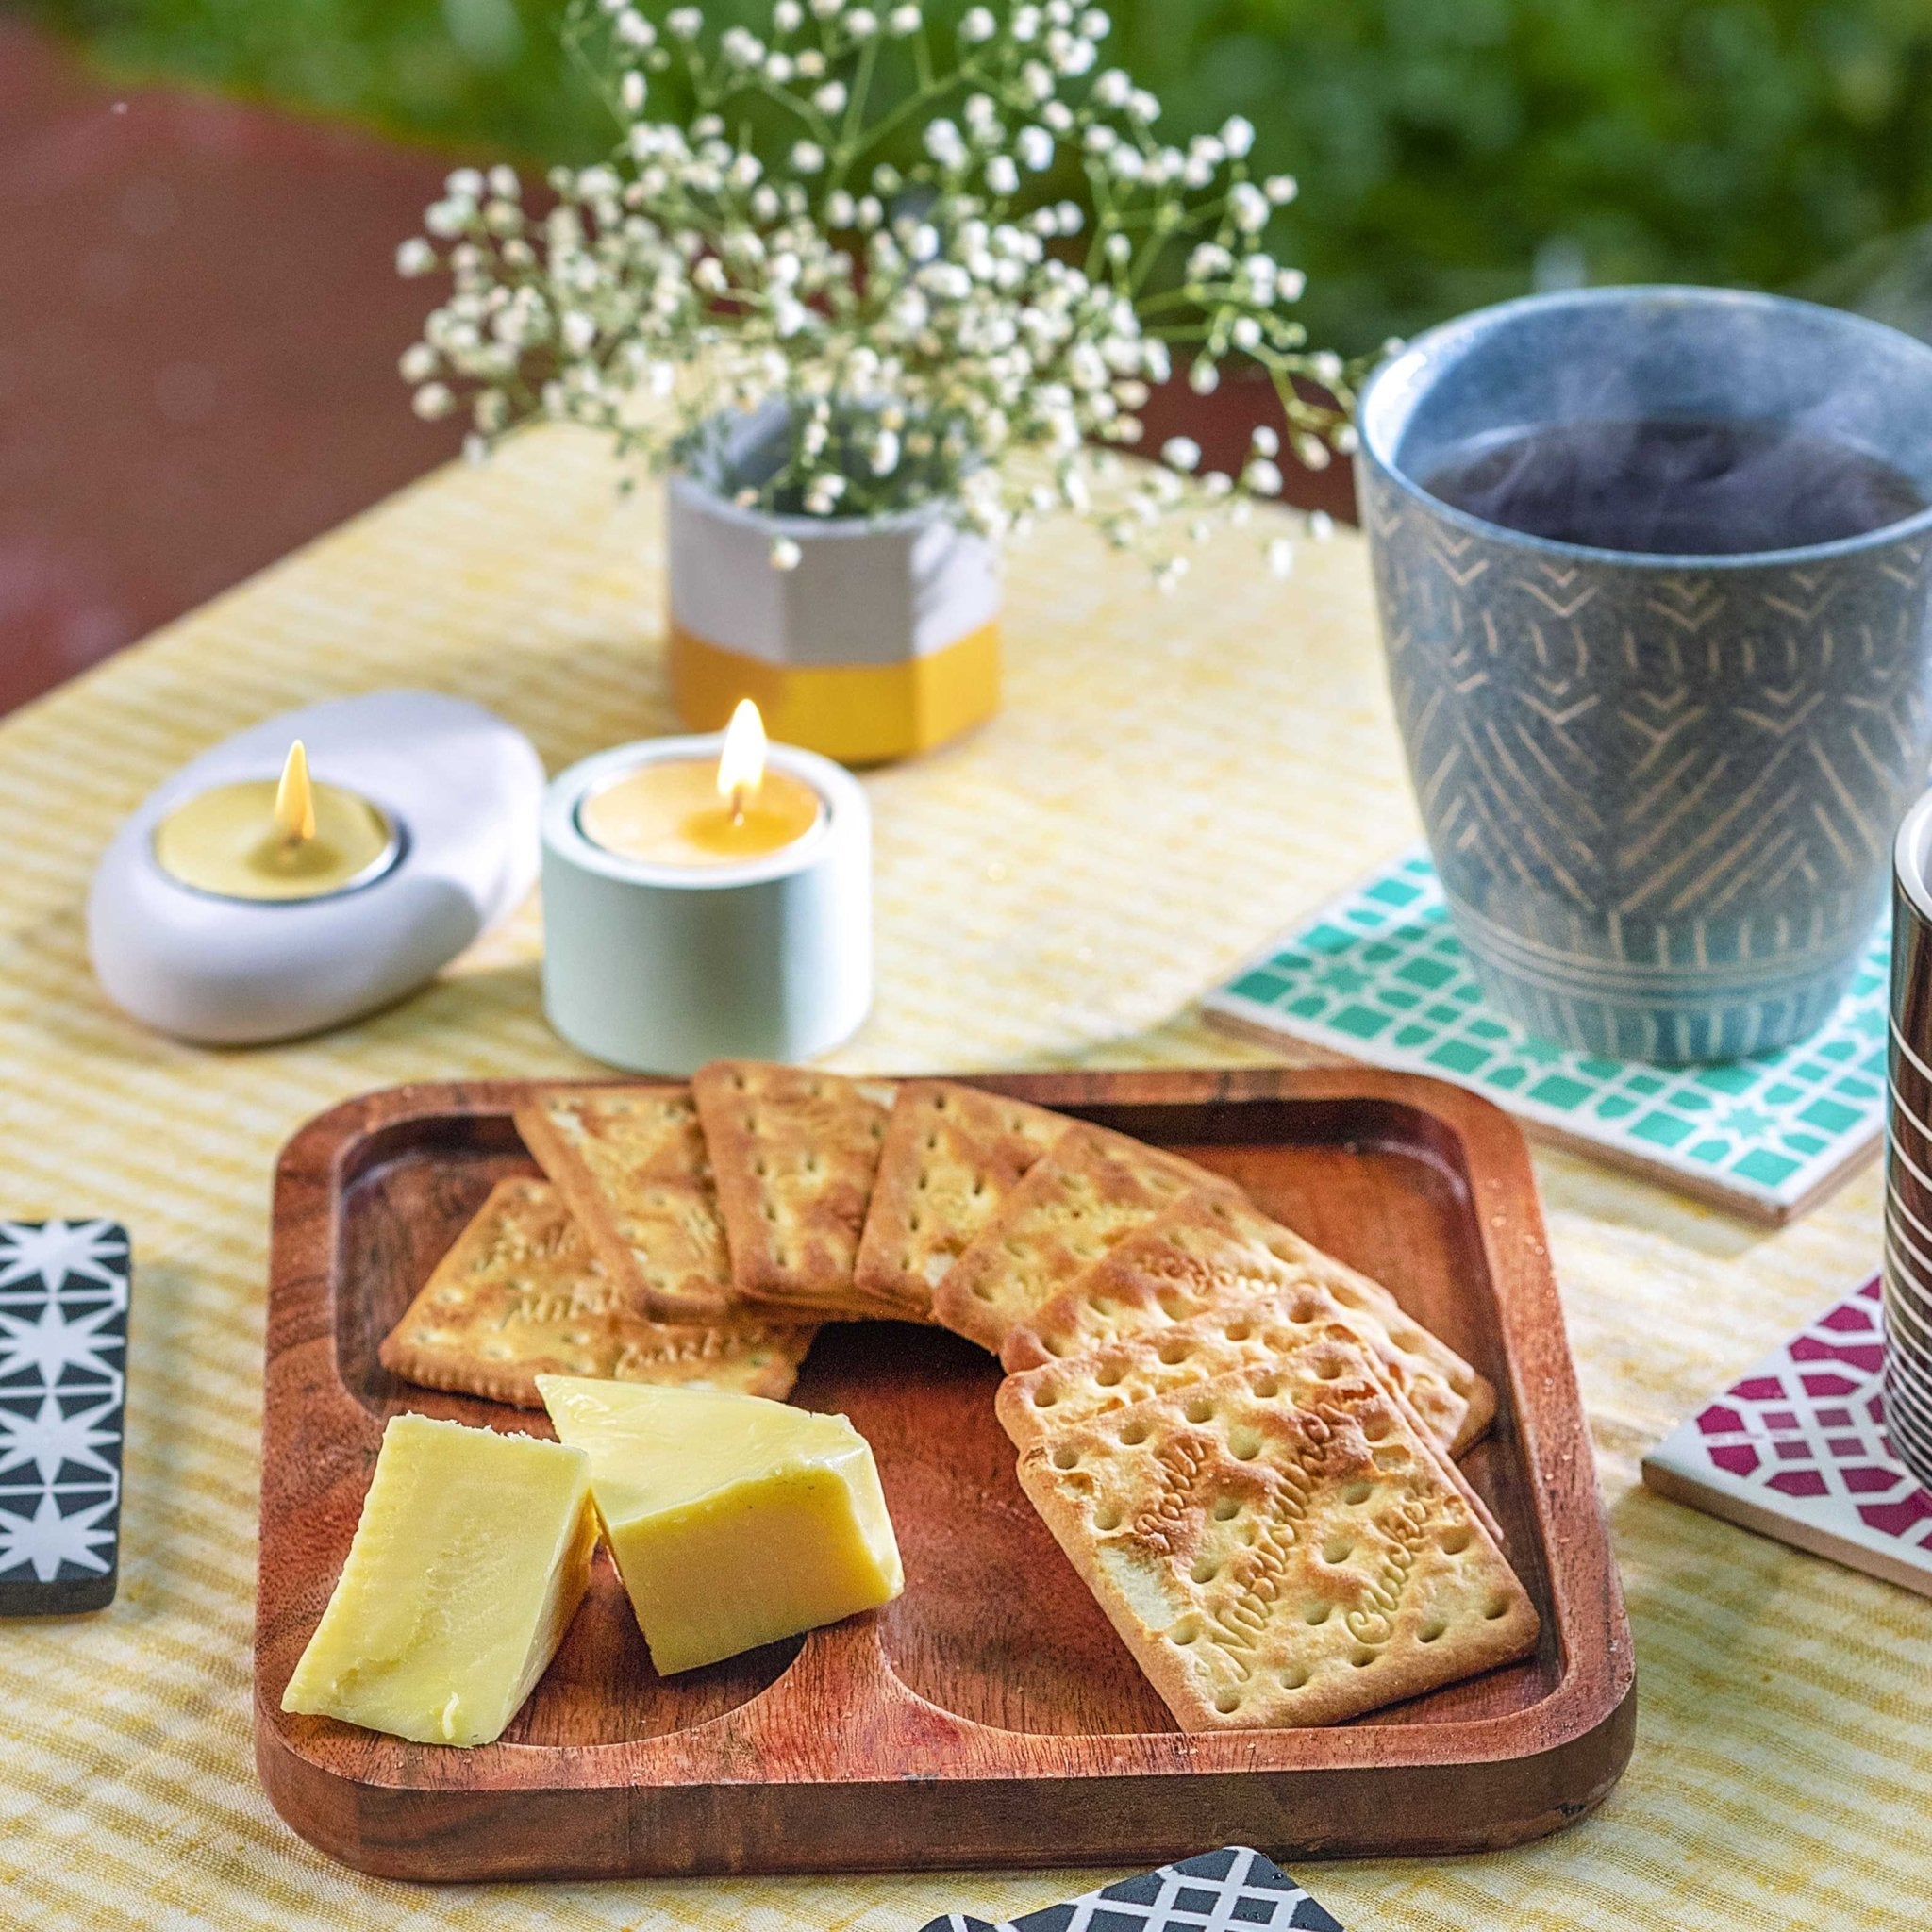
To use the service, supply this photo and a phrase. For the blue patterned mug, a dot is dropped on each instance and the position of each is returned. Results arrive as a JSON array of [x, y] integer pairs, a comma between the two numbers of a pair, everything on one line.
[[1660, 788]]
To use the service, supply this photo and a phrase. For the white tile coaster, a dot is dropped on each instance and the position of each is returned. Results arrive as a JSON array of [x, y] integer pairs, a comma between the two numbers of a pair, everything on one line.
[[1797, 1450], [1379, 977]]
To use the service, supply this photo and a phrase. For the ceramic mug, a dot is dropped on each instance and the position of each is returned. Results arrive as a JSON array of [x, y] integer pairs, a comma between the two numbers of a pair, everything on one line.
[[1660, 790], [1908, 1153]]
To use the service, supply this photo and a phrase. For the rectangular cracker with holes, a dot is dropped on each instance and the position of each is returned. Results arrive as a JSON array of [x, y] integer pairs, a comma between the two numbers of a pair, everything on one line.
[[522, 1294], [1213, 1253], [630, 1165], [1092, 1190], [1240, 1334], [794, 1154], [951, 1158], [1280, 1547]]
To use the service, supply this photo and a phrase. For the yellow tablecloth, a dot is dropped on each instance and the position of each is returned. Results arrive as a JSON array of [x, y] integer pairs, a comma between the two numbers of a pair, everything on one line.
[[1172, 780]]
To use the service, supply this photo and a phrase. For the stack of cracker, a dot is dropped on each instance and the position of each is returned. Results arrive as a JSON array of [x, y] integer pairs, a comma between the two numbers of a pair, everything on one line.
[[1246, 1448]]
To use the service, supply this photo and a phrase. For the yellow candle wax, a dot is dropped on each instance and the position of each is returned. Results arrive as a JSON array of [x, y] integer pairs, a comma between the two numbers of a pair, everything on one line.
[[274, 839], [669, 812], [688, 811]]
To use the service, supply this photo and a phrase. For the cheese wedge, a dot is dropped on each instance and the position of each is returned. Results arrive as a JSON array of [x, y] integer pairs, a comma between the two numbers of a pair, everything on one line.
[[734, 1520], [472, 1556]]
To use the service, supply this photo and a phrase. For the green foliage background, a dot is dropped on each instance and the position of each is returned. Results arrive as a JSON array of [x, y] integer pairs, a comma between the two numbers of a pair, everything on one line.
[[1451, 152]]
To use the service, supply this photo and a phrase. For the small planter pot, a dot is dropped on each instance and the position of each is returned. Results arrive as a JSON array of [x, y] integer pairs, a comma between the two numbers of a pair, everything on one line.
[[883, 641]]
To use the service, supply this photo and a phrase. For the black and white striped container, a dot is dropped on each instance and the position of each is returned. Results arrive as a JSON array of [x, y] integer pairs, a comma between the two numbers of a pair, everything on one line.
[[1908, 1153]]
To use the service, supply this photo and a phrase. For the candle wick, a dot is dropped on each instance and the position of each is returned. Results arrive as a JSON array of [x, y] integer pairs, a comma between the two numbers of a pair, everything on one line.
[[738, 792]]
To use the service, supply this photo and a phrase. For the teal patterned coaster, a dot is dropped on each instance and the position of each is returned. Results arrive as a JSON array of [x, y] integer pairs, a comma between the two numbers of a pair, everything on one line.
[[1378, 977]]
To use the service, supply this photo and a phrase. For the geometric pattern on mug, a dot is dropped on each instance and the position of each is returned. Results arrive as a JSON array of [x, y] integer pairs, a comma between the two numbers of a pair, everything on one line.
[[1672, 779], [1234, 1890], [63, 1336], [1803, 1438], [1380, 976]]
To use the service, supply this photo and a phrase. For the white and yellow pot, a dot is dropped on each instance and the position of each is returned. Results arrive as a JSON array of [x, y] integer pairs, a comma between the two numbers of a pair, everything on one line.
[[881, 642]]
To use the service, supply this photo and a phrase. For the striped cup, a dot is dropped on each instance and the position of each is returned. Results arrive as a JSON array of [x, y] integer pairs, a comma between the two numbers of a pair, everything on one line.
[[1908, 1153]]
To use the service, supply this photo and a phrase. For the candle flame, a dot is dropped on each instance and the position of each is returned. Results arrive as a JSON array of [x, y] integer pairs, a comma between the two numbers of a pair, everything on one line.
[[742, 762], [295, 799]]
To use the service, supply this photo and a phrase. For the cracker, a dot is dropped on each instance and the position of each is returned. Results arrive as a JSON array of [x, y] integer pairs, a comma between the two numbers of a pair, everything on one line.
[[951, 1158], [522, 1294], [1092, 1190], [629, 1162], [1213, 1252], [1279, 1546], [793, 1155]]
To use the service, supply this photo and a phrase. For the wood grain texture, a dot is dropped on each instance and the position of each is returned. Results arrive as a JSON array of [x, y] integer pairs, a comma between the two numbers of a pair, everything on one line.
[[989, 1716]]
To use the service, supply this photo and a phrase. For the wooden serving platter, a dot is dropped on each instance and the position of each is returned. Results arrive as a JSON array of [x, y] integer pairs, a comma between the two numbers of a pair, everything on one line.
[[989, 1716]]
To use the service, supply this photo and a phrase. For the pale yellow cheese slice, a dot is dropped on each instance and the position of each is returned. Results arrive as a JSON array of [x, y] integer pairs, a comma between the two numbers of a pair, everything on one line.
[[472, 1556], [734, 1520]]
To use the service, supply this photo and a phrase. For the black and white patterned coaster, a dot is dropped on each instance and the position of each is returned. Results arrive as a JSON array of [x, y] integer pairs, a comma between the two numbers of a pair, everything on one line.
[[63, 1340], [1233, 1890]]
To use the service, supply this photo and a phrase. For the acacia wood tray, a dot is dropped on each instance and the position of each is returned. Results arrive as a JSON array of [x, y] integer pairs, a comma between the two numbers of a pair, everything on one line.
[[989, 1716]]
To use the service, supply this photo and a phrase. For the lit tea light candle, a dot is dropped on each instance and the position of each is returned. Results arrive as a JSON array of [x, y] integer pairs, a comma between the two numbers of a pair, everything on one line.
[[276, 839], [707, 898], [689, 811]]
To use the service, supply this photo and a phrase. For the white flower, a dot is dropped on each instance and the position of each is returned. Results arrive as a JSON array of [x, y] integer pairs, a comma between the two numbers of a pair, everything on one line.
[[1181, 453], [1144, 106], [830, 99], [1281, 188], [1281, 556], [1249, 206], [1321, 525], [1034, 145], [1264, 441], [418, 363], [632, 89], [840, 210], [1114, 89], [1262, 476], [433, 401], [977, 26], [686, 23], [1203, 377], [465, 183], [786, 555], [634, 30], [827, 9], [1027, 23], [807, 157], [1237, 134], [1290, 284], [944, 143], [788, 16], [578, 331], [904, 20], [862, 23], [883, 458], [415, 258], [1247, 333], [742, 48], [1057, 116], [779, 69], [1002, 176]]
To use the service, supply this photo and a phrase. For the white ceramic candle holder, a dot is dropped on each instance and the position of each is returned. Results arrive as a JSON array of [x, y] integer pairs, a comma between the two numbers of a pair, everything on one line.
[[659, 968], [463, 791]]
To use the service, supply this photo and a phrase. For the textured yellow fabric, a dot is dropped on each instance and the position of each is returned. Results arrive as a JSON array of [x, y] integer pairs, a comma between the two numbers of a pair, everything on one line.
[[1168, 782]]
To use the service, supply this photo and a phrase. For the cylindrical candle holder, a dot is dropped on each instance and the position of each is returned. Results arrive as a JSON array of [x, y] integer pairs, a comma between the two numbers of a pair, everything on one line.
[[658, 968]]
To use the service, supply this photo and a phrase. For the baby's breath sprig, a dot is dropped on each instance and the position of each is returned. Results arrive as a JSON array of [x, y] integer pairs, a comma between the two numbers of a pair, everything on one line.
[[851, 233]]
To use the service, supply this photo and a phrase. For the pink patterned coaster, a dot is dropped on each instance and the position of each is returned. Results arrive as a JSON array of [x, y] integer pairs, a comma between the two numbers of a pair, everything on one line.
[[1797, 1450]]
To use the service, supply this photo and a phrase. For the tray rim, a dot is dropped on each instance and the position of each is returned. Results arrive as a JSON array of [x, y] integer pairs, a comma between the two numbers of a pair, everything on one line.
[[1595, 1688]]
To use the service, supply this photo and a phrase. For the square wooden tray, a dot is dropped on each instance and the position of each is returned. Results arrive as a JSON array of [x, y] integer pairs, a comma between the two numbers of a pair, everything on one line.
[[989, 1716]]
